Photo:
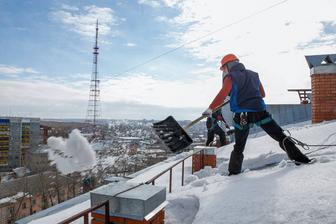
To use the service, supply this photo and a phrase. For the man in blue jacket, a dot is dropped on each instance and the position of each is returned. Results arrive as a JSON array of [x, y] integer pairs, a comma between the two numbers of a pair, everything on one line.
[[246, 102]]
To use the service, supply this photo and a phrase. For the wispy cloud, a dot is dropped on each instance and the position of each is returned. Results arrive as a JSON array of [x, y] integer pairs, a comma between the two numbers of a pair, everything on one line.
[[53, 92], [152, 3], [147, 89], [197, 19], [326, 37], [83, 21], [329, 27], [69, 7], [129, 44], [163, 19], [260, 41], [134, 96], [158, 3], [171, 3], [7, 69]]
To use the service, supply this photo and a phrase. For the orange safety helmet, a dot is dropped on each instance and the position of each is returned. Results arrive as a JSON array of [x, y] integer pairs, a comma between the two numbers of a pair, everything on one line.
[[228, 58]]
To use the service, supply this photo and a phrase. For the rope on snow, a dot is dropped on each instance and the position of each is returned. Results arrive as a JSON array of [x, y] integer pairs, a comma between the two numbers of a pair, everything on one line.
[[306, 146]]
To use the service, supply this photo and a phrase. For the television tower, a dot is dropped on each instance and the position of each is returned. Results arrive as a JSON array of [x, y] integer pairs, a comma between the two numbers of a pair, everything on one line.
[[94, 110]]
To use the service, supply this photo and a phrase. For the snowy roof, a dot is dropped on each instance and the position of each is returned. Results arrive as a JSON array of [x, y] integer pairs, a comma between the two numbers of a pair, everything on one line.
[[11, 198], [270, 190], [278, 193]]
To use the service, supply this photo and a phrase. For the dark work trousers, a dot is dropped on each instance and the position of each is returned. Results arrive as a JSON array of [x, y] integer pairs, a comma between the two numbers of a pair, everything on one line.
[[218, 131], [263, 119]]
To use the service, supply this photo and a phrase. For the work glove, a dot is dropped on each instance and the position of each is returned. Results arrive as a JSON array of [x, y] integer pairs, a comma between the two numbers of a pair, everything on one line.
[[207, 112]]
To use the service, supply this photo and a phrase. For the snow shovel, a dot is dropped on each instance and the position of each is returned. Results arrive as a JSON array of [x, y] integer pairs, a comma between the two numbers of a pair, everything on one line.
[[173, 135]]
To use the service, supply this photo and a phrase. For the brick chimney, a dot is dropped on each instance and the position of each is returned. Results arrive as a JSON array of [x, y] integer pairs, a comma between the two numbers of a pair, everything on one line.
[[323, 83]]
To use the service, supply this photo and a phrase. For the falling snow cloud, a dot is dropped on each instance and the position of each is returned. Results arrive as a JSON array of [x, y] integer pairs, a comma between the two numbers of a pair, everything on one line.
[[72, 154]]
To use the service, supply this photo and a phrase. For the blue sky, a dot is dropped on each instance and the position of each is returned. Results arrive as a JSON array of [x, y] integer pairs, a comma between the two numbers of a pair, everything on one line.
[[46, 57], [36, 36]]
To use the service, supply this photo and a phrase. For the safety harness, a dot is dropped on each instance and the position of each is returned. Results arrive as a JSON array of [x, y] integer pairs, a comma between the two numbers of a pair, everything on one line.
[[244, 124]]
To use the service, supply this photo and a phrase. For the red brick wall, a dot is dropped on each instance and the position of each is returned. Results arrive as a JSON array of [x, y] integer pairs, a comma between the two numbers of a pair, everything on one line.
[[324, 97], [199, 161], [156, 219]]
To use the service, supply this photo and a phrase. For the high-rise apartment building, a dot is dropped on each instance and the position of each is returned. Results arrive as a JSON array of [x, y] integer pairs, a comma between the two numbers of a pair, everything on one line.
[[18, 137]]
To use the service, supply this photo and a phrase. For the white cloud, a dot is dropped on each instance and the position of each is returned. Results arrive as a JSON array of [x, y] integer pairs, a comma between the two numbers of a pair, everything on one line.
[[272, 42], [162, 19], [135, 97], [171, 3], [69, 8], [38, 92], [7, 69], [158, 3], [43, 97], [84, 21], [144, 89], [105, 42], [130, 44], [152, 3]]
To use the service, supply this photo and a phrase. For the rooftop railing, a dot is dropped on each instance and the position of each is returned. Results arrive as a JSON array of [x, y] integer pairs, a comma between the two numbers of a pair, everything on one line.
[[170, 169], [86, 212]]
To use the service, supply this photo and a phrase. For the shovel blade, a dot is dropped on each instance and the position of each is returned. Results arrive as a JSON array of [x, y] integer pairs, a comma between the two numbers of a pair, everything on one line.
[[172, 134]]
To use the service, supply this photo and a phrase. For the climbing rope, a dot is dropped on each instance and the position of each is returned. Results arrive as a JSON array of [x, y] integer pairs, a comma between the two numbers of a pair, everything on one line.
[[306, 146]]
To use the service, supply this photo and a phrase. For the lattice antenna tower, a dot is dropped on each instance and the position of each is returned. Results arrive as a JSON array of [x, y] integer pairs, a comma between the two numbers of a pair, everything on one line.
[[94, 110]]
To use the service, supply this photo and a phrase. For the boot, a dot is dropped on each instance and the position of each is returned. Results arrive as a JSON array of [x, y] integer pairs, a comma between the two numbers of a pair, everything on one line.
[[293, 152]]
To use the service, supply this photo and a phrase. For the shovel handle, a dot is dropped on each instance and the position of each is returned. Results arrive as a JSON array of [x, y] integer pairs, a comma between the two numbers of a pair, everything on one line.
[[204, 116], [194, 121]]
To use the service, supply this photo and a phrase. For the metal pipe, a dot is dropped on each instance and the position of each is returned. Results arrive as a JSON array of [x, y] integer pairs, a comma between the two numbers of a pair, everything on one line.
[[86, 212], [192, 168], [180, 161], [182, 172], [201, 160], [107, 212], [170, 179], [86, 218]]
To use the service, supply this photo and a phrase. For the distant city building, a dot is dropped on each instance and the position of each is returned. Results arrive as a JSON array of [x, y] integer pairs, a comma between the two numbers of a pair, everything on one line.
[[60, 129], [18, 137]]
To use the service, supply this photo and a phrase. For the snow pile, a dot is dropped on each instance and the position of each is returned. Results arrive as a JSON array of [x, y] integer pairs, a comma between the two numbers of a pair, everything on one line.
[[72, 154], [183, 209]]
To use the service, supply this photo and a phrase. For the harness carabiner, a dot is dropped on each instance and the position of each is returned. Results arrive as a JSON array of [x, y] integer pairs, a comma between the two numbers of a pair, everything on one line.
[[243, 119]]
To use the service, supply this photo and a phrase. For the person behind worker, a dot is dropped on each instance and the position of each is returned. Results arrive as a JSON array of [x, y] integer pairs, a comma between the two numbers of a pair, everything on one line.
[[246, 102], [214, 124]]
